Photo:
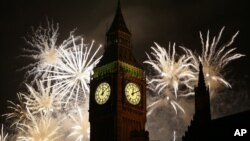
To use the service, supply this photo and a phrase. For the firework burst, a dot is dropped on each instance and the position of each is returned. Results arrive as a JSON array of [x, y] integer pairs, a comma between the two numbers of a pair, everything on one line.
[[58, 76], [45, 99], [19, 112], [171, 74], [214, 58], [40, 128], [81, 128], [43, 49], [73, 71]]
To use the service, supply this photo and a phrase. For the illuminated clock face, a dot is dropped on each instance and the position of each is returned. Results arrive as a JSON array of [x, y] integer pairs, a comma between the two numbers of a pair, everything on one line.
[[102, 93], [133, 93]]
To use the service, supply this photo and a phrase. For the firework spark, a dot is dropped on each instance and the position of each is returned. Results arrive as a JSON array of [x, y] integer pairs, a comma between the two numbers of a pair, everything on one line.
[[40, 128], [174, 136], [171, 74], [19, 111], [81, 129], [73, 71], [45, 99], [43, 49], [3, 137], [214, 59], [162, 101]]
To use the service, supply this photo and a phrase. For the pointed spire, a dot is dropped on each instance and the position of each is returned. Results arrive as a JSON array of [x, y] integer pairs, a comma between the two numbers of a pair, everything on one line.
[[201, 81], [202, 99], [119, 4], [118, 22]]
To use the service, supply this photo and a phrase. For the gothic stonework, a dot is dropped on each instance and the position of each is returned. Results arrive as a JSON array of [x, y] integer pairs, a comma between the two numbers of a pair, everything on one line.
[[118, 113]]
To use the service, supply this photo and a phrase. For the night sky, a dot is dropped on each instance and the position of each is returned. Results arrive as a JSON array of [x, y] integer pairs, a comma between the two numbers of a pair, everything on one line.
[[149, 21]]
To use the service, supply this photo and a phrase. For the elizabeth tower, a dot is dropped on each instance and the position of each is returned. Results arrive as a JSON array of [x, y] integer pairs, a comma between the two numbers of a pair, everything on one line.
[[117, 104]]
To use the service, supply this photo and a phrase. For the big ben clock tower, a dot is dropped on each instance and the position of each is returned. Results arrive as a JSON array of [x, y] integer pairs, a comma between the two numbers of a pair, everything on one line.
[[117, 105]]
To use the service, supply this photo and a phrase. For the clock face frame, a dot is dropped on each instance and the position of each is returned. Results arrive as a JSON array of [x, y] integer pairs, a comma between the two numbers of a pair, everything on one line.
[[102, 93], [133, 93]]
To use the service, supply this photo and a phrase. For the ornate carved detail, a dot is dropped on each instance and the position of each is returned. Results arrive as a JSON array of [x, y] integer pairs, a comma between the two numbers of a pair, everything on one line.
[[121, 66]]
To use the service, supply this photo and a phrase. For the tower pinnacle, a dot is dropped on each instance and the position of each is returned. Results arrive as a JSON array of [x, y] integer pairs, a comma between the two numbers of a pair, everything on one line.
[[202, 98], [118, 23], [201, 81]]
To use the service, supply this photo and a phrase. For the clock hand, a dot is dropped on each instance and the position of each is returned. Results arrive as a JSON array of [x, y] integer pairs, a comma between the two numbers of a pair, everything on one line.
[[104, 89], [134, 92]]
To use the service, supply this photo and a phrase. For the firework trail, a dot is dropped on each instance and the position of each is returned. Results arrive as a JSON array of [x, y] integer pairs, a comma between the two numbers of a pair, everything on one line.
[[162, 102], [214, 58], [174, 136], [45, 99], [81, 128], [3, 137], [19, 112], [43, 50], [171, 74], [73, 71], [40, 128]]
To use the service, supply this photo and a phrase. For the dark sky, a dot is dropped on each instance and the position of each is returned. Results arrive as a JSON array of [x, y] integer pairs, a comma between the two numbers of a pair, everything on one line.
[[149, 20]]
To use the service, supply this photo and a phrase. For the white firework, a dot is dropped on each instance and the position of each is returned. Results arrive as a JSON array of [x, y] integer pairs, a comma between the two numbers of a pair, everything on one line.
[[73, 71], [80, 130], [214, 58], [18, 112], [40, 128], [43, 50], [163, 101], [45, 99], [174, 136], [171, 74], [3, 136]]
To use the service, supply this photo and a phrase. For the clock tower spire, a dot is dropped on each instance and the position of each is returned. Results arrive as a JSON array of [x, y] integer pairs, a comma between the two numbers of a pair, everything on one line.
[[117, 105], [118, 41], [118, 23]]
